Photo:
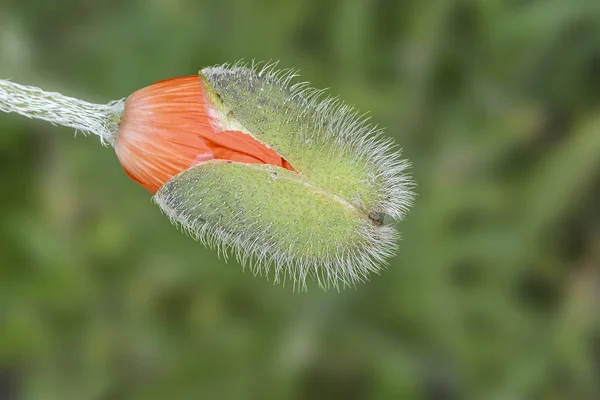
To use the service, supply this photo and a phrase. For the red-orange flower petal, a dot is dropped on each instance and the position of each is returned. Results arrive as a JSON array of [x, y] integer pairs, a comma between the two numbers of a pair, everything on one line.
[[167, 128]]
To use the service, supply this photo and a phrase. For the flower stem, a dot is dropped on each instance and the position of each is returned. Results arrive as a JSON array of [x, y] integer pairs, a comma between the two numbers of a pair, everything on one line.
[[102, 120]]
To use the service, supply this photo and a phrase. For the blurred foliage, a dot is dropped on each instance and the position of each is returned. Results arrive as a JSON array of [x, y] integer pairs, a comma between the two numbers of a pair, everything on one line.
[[494, 293]]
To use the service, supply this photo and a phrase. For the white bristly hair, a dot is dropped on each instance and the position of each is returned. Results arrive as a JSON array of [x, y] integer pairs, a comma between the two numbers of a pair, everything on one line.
[[99, 119]]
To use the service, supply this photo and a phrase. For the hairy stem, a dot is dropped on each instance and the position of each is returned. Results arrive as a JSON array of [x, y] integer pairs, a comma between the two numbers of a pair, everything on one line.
[[99, 119]]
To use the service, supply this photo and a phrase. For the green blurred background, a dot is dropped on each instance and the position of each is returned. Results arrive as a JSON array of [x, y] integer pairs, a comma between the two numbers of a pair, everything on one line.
[[495, 291]]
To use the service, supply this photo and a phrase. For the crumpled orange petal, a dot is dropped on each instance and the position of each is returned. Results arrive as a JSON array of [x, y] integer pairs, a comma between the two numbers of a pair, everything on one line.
[[166, 128]]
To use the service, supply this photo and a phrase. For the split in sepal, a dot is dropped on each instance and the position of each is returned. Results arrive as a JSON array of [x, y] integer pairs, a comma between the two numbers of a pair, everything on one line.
[[246, 162]]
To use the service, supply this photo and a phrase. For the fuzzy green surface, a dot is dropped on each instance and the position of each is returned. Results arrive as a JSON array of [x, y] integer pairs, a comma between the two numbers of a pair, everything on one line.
[[272, 215], [320, 140]]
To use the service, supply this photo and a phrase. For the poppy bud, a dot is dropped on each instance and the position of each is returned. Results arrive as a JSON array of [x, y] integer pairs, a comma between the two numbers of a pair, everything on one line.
[[251, 165], [246, 162]]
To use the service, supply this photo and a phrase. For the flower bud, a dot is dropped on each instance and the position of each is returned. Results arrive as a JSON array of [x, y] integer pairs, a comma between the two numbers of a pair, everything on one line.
[[285, 180]]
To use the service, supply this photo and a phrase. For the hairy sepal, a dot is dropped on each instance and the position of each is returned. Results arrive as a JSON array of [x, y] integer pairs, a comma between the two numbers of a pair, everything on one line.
[[328, 142], [273, 219]]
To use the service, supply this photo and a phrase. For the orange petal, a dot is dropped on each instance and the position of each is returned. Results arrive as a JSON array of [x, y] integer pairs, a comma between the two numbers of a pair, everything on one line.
[[167, 127]]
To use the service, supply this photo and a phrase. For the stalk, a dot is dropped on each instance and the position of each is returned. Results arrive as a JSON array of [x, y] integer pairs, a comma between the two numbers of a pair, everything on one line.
[[102, 120]]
